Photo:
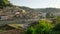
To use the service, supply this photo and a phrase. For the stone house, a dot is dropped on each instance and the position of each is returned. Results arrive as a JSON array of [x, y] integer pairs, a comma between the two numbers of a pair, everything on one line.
[[44, 15], [6, 17], [3, 17]]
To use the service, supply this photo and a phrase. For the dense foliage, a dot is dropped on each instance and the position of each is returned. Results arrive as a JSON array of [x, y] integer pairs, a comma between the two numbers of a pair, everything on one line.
[[4, 3], [41, 28], [45, 27]]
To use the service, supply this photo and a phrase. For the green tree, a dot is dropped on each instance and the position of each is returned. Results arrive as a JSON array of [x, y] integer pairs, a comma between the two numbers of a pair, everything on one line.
[[57, 27], [44, 27], [4, 3], [49, 15]]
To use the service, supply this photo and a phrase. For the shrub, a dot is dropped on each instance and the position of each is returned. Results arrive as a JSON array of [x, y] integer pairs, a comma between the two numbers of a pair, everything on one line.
[[44, 27], [57, 27]]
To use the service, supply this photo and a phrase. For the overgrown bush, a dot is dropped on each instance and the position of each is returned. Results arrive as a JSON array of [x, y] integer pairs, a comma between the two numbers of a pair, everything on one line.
[[57, 27], [44, 27]]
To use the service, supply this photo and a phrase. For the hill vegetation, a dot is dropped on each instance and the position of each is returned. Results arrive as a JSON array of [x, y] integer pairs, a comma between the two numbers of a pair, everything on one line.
[[4, 3], [48, 24]]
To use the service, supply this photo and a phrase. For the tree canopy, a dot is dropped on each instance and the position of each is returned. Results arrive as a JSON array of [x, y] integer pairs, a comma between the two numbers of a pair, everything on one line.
[[4, 3]]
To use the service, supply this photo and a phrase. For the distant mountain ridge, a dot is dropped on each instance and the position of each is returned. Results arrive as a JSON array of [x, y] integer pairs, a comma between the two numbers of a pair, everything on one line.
[[5, 3], [44, 10]]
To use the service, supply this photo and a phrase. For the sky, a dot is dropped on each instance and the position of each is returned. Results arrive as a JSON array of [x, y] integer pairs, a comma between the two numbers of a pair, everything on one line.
[[37, 3]]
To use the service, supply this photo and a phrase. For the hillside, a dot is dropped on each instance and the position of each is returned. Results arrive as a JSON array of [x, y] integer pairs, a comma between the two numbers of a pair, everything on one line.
[[43, 10], [48, 10], [6, 4]]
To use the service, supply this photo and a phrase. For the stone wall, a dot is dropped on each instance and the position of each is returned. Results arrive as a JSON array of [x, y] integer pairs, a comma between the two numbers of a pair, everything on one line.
[[13, 32]]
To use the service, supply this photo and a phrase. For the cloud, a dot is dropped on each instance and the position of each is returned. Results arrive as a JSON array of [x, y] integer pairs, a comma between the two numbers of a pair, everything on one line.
[[37, 3]]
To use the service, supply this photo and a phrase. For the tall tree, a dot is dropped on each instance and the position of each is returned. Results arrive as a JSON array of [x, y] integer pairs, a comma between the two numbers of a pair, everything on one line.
[[4, 3]]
